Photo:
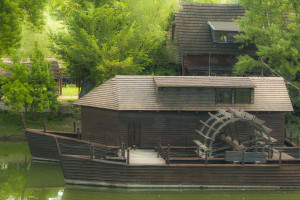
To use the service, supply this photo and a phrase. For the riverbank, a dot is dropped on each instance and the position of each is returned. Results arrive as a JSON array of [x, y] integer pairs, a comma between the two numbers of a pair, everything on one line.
[[11, 127]]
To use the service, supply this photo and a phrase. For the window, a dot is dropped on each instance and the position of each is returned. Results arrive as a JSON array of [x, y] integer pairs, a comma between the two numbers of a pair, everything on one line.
[[222, 37], [223, 96], [236, 96], [242, 96]]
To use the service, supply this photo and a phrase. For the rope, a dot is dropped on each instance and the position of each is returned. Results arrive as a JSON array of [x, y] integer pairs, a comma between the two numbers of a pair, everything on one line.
[[280, 75]]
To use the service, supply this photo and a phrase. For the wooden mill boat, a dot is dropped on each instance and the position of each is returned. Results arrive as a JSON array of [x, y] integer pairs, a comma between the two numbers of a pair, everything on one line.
[[205, 165]]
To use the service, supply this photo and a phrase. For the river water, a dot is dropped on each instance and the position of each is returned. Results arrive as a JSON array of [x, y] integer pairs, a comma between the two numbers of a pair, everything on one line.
[[21, 178]]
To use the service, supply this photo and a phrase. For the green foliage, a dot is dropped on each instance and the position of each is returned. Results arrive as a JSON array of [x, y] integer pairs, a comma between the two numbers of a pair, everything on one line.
[[273, 27], [10, 25], [210, 1], [12, 15], [32, 88]]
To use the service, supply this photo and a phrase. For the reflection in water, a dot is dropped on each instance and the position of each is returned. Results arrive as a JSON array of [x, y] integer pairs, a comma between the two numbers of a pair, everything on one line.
[[14, 168], [20, 179], [98, 193]]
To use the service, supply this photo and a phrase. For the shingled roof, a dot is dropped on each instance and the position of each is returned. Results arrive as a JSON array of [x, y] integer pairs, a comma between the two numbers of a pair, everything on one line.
[[194, 33], [140, 93], [54, 68]]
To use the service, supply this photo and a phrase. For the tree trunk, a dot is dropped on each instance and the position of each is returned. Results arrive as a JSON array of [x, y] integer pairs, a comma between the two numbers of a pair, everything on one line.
[[87, 85]]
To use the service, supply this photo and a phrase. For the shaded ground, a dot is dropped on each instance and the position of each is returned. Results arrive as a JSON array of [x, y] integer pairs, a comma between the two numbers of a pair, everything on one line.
[[11, 128]]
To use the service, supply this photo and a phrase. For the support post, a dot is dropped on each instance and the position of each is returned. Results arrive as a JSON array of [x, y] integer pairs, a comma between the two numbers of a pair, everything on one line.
[[92, 153], [243, 157], [78, 134], [206, 156], [61, 83], [23, 121], [127, 160], [280, 157], [158, 146], [44, 125], [74, 126], [168, 154], [123, 149]]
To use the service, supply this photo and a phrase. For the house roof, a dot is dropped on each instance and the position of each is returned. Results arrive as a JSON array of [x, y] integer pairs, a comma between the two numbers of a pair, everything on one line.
[[194, 33], [54, 68], [203, 81], [223, 26], [140, 93]]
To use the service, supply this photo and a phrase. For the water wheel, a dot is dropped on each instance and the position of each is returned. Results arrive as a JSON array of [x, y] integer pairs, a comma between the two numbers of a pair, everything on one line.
[[216, 137]]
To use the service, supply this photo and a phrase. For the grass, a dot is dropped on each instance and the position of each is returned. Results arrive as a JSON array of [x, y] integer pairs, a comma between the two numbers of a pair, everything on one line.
[[70, 90], [62, 120]]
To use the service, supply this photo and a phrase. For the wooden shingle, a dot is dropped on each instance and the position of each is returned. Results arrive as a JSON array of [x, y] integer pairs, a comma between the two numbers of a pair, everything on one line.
[[194, 33], [140, 93]]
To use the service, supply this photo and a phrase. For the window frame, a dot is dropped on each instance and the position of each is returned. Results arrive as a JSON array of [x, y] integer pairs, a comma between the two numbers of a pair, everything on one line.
[[243, 92], [233, 95], [223, 98]]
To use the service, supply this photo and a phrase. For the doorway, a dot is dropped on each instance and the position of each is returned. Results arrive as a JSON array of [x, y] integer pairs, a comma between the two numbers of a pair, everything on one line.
[[134, 133]]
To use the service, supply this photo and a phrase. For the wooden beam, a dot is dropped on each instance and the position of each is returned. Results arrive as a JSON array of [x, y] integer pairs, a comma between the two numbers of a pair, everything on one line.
[[210, 127], [267, 129], [216, 118], [265, 136], [201, 145], [227, 114], [203, 135]]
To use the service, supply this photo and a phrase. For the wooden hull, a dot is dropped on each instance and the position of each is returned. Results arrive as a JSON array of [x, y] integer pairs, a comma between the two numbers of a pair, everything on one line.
[[43, 145], [85, 171]]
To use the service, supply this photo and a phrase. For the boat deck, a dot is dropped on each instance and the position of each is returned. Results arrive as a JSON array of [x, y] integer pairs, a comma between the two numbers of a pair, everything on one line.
[[145, 157]]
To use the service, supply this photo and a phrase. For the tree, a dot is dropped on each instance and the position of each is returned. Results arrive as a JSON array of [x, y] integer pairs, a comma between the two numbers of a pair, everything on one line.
[[12, 15], [30, 88], [273, 27], [99, 43]]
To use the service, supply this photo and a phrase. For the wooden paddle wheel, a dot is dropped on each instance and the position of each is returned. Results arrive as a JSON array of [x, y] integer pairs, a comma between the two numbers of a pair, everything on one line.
[[216, 138]]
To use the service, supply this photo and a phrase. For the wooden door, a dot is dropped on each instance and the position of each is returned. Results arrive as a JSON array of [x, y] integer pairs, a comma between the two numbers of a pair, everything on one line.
[[134, 133]]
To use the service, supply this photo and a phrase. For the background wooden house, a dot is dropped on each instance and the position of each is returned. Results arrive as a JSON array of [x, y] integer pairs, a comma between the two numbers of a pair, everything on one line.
[[202, 38], [139, 109], [55, 69]]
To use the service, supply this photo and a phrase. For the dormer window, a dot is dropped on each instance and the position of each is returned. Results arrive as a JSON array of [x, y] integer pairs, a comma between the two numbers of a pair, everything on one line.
[[223, 32]]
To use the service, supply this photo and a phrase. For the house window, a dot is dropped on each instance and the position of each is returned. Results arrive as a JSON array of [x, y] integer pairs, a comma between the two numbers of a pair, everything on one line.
[[222, 37], [242, 96], [223, 96], [236, 96]]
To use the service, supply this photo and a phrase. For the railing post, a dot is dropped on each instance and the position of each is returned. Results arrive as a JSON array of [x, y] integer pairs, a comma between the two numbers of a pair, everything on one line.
[[92, 151], [78, 134], [168, 154], [23, 121], [158, 146], [44, 125], [280, 157], [206, 156], [123, 149], [74, 126], [127, 160], [243, 157]]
